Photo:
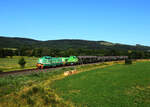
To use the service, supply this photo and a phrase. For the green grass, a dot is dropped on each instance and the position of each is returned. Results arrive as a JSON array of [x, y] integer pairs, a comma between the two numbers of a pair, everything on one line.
[[105, 84], [10, 64], [31, 90], [114, 86], [35, 89]]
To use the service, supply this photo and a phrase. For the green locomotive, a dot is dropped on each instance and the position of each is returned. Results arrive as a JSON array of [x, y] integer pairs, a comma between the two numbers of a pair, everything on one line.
[[48, 61]]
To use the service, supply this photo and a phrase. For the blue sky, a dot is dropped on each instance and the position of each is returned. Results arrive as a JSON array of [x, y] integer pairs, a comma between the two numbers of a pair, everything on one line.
[[119, 21]]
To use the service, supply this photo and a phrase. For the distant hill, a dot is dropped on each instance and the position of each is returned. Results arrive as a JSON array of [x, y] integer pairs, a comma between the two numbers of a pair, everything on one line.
[[9, 42]]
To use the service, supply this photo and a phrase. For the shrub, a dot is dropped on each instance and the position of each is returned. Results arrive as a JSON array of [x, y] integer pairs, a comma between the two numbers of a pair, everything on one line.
[[22, 62], [24, 96], [46, 100], [35, 89], [128, 61], [1, 70], [29, 92], [30, 101], [35, 74]]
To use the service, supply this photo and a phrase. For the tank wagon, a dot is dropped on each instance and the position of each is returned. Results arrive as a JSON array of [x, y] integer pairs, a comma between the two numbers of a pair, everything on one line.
[[94, 59], [47, 61]]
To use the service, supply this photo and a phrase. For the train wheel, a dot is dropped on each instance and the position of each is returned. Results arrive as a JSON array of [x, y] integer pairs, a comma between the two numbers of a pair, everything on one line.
[[38, 67], [42, 66]]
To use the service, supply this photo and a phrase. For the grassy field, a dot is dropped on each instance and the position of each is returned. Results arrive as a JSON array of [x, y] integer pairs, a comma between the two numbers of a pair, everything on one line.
[[10, 64], [35, 89], [118, 85], [105, 84], [31, 90]]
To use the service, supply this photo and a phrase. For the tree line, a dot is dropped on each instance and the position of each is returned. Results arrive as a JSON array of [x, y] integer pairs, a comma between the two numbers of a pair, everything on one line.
[[38, 52]]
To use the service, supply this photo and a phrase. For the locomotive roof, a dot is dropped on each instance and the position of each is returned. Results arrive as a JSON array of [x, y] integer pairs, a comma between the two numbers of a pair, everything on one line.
[[47, 57]]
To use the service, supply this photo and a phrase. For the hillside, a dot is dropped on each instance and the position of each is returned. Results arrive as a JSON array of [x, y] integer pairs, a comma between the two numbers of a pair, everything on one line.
[[8, 42]]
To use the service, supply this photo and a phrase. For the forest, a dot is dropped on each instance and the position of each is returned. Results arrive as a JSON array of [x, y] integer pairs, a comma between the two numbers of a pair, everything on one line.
[[69, 47], [38, 52]]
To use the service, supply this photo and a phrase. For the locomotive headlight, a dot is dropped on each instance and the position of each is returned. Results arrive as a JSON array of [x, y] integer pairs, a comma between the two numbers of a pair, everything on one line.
[[40, 60]]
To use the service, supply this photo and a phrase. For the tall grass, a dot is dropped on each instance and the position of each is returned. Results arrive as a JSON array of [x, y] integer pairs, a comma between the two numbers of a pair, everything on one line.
[[31, 90]]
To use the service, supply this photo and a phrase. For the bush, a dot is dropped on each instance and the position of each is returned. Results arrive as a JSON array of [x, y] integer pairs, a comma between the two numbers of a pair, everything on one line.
[[22, 62], [1, 70], [35, 89], [128, 61], [30, 101]]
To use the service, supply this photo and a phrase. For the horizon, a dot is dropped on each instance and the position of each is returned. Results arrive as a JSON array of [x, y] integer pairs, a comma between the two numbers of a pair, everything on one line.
[[77, 39], [125, 21]]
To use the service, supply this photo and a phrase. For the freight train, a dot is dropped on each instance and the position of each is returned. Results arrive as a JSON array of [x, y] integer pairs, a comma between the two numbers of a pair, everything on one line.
[[48, 61]]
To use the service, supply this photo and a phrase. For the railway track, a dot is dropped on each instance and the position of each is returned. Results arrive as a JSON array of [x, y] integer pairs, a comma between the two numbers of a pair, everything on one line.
[[26, 71], [34, 70], [16, 72]]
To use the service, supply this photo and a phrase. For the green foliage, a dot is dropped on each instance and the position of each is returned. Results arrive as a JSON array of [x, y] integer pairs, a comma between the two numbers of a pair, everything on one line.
[[128, 61], [30, 101], [68, 48], [22, 62], [1, 70], [2, 53], [35, 89]]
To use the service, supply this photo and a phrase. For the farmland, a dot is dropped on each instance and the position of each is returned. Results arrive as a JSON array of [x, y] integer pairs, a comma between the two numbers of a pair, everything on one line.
[[118, 85], [35, 89], [107, 84], [10, 64]]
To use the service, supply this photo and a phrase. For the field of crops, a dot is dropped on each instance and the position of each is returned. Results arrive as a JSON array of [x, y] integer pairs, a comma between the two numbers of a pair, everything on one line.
[[118, 85], [10, 64], [106, 84]]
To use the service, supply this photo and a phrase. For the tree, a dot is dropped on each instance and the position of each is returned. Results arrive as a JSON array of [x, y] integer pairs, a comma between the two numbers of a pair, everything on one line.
[[1, 70], [55, 52], [45, 52], [22, 62], [9, 52], [38, 52], [128, 61], [2, 53]]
